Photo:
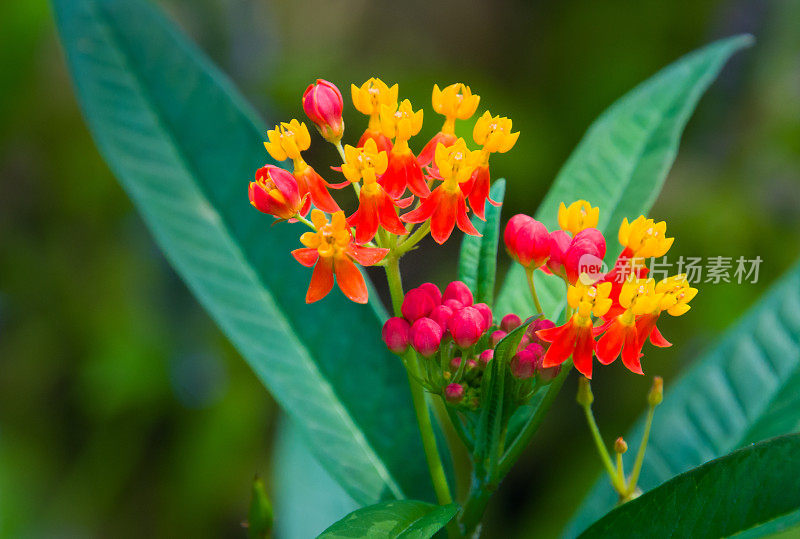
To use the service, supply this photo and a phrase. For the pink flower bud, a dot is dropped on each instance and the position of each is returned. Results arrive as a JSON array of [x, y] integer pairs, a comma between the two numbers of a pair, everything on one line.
[[441, 315], [433, 291], [455, 363], [485, 357], [527, 241], [453, 305], [395, 334], [459, 292], [486, 313], [524, 362], [425, 336], [323, 104], [497, 336], [510, 322], [523, 342], [466, 326], [536, 325], [417, 304], [454, 393], [275, 192], [471, 364], [585, 255], [560, 241]]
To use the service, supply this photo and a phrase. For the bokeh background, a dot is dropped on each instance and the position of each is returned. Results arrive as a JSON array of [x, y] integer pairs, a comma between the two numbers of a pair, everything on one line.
[[124, 411]]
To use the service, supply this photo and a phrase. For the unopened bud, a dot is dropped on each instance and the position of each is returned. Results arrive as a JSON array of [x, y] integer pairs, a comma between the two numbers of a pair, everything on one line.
[[454, 393], [497, 336], [527, 241], [395, 334], [322, 102], [455, 363], [620, 446], [433, 291], [425, 337], [441, 315], [418, 303], [585, 397], [459, 292], [656, 394], [486, 313], [523, 364], [466, 327], [510, 322], [485, 357]]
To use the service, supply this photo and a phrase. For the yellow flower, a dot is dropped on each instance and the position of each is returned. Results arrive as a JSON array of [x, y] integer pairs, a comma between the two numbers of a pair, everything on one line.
[[371, 96], [587, 300], [676, 294], [494, 133], [580, 215], [454, 102], [456, 162], [644, 237], [638, 296], [400, 122], [287, 140], [365, 163]]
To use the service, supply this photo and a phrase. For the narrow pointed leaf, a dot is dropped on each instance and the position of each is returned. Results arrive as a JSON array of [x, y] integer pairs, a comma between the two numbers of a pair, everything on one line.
[[477, 263], [726, 496], [622, 161], [184, 144], [402, 519], [746, 388]]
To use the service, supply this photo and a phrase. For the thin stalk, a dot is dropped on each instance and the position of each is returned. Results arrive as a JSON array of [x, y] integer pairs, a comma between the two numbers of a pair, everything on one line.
[[601, 448], [306, 222], [529, 274], [637, 465], [409, 243], [435, 466]]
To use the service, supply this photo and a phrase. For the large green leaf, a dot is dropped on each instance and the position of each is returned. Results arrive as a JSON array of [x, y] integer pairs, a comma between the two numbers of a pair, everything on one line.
[[745, 389], [406, 519], [184, 144], [622, 161], [477, 262], [734, 493]]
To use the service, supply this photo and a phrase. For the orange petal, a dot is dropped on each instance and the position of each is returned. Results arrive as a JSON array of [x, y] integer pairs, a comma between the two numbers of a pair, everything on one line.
[[319, 194], [388, 215], [366, 219], [350, 280], [366, 256], [463, 220], [480, 191], [306, 256], [610, 344], [582, 356], [321, 281], [443, 219], [630, 353], [658, 339], [425, 210]]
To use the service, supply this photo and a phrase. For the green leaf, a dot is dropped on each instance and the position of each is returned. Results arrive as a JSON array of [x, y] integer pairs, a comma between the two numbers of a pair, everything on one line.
[[407, 519], [184, 144], [741, 490], [744, 389], [477, 263], [622, 161]]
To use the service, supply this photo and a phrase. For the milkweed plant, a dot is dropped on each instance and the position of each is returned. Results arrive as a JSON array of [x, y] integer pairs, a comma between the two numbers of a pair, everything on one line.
[[454, 348], [478, 373]]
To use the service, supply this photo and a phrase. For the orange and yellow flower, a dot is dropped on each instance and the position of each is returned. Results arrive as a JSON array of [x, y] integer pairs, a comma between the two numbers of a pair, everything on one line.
[[375, 207], [575, 338], [331, 252], [578, 216], [676, 293], [276, 193], [494, 134], [368, 99], [453, 102], [286, 141], [401, 123], [447, 207]]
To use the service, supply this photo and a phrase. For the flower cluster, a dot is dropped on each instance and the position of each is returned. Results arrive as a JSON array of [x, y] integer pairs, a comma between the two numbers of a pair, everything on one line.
[[440, 186], [609, 314], [456, 338]]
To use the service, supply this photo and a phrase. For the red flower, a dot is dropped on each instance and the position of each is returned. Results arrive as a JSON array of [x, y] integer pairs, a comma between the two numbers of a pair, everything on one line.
[[276, 192], [311, 183], [331, 251], [446, 206], [323, 104]]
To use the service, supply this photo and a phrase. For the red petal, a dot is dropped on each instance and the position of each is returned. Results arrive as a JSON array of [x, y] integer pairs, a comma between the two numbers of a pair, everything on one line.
[[658, 339], [414, 177], [381, 140], [319, 194], [388, 215], [429, 151], [366, 256], [365, 219], [350, 280], [443, 219], [480, 191], [582, 356], [610, 344], [562, 339], [306, 256], [321, 281], [463, 220], [630, 353], [404, 203], [425, 210]]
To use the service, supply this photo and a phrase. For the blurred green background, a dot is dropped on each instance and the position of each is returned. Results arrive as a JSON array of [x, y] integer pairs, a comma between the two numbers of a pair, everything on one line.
[[124, 411]]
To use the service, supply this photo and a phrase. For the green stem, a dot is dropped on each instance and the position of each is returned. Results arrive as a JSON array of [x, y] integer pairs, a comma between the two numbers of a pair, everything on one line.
[[601, 448], [529, 274], [637, 466], [435, 467], [409, 243], [306, 222]]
